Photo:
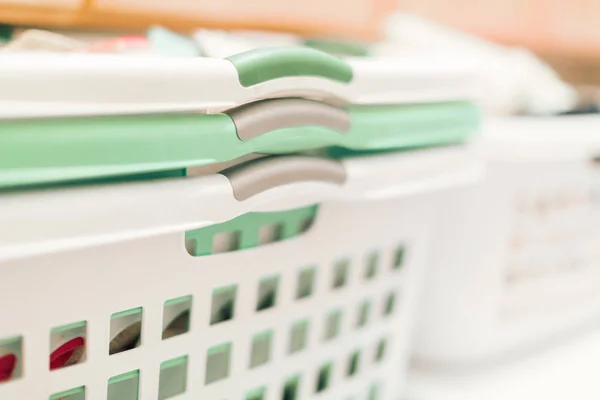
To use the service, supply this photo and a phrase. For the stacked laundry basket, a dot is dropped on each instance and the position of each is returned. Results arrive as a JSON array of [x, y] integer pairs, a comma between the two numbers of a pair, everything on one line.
[[522, 267], [244, 228]]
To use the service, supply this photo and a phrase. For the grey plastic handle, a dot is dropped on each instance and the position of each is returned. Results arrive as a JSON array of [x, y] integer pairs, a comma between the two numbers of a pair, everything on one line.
[[258, 118], [259, 176]]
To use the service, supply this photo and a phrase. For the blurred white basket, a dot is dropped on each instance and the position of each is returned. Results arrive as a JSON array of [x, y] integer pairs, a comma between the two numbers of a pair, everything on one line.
[[520, 264]]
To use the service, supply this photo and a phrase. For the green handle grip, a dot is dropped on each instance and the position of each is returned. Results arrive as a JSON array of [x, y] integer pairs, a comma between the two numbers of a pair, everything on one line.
[[262, 65]]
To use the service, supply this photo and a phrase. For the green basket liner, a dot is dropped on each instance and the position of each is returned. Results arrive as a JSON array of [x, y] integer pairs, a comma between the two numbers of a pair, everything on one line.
[[43, 151]]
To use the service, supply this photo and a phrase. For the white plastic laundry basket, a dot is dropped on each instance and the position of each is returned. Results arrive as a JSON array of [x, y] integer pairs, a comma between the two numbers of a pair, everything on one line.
[[310, 308], [520, 264]]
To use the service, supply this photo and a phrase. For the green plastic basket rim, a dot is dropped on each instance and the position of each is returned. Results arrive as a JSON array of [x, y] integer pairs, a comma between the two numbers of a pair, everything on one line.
[[61, 150]]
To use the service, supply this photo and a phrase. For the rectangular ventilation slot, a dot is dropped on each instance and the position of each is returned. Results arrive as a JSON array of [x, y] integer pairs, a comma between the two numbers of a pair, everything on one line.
[[67, 345], [340, 274], [267, 293], [373, 392], [223, 304], [261, 349], [270, 233], [399, 257], [306, 283], [176, 317], [173, 378], [257, 394], [298, 337], [332, 325], [125, 330], [217, 363], [353, 364], [11, 358], [371, 266], [390, 303], [363, 314], [323, 378], [73, 394], [306, 223], [124, 387], [224, 242], [380, 350], [290, 389]]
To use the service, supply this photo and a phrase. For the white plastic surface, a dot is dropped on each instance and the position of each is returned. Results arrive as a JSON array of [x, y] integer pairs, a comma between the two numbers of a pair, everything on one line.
[[567, 371], [76, 84], [123, 247], [521, 264], [44, 221]]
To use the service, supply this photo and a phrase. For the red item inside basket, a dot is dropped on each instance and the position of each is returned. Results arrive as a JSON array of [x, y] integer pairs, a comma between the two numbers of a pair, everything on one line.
[[8, 363], [67, 354], [124, 44]]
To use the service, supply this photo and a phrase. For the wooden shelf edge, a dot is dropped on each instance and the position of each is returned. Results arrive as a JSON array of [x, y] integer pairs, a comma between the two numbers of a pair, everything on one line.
[[86, 18]]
